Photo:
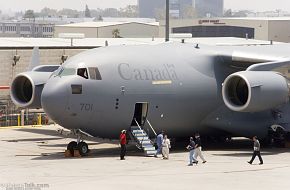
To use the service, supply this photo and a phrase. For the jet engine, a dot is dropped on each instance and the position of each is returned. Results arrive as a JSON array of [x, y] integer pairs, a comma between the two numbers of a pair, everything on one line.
[[27, 87], [254, 91]]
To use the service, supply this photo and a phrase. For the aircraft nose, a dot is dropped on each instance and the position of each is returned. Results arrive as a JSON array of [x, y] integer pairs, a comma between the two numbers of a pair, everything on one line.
[[54, 99]]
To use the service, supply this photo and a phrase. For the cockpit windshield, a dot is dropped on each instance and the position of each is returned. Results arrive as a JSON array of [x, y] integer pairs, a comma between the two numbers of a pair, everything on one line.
[[95, 73], [83, 72], [62, 71], [67, 72], [92, 73]]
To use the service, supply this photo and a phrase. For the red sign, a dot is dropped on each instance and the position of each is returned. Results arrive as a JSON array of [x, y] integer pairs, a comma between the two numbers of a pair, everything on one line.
[[208, 21], [4, 87]]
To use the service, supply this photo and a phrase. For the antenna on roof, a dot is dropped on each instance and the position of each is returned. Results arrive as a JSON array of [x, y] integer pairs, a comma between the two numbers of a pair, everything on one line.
[[71, 36]]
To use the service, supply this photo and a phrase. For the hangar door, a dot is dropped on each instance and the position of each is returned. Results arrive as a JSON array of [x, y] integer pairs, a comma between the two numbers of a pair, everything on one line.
[[216, 31]]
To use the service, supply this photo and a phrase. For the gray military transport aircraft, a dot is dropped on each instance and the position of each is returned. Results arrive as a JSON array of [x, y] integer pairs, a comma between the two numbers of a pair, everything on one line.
[[222, 91]]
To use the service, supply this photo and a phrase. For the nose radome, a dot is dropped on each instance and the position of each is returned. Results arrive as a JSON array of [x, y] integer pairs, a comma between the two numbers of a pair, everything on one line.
[[54, 99]]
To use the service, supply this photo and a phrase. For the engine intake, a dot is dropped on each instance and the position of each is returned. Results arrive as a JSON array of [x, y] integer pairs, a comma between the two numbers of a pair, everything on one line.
[[253, 91], [22, 89], [27, 87]]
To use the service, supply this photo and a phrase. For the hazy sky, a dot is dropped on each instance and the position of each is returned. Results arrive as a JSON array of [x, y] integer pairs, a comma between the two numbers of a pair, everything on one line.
[[16, 5]]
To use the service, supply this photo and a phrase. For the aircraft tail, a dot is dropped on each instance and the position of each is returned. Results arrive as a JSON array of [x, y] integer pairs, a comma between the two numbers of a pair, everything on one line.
[[34, 59]]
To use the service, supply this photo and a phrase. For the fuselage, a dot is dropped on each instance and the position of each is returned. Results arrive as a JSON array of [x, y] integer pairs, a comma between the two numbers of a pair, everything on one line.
[[97, 91]]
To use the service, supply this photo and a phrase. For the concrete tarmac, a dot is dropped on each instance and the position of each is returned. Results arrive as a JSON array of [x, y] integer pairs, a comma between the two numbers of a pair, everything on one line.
[[33, 158]]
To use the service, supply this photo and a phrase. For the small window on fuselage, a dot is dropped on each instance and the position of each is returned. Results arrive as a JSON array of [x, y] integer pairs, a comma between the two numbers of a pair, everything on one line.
[[76, 89], [83, 72], [95, 73]]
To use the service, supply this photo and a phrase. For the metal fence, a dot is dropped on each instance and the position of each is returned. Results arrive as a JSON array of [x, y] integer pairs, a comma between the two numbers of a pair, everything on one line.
[[7, 110], [10, 115]]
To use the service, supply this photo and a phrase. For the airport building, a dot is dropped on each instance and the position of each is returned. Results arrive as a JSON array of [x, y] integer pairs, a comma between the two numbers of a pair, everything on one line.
[[149, 8], [111, 29], [180, 8], [26, 29], [260, 28], [209, 8], [39, 27]]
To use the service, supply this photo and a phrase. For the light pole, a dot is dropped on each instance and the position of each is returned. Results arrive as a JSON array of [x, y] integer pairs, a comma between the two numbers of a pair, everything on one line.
[[167, 22]]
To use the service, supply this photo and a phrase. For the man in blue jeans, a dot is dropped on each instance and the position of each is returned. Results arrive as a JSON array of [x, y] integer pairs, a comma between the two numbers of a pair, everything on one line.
[[159, 142], [191, 147]]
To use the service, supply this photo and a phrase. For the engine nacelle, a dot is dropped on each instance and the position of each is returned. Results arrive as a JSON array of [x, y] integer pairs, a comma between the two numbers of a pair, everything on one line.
[[27, 87], [253, 91]]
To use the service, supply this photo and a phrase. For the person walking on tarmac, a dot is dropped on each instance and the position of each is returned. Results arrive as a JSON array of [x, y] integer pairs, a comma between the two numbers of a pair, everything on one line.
[[191, 147], [197, 151], [159, 141], [256, 151], [165, 147], [123, 142]]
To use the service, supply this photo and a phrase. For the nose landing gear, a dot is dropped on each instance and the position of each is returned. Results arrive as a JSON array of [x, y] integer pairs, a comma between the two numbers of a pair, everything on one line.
[[79, 145], [83, 148]]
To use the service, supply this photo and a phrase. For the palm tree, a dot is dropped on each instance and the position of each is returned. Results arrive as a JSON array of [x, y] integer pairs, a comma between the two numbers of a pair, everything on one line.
[[116, 33]]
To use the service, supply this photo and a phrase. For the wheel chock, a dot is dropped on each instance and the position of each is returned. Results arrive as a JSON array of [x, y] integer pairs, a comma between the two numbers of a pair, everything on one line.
[[77, 154], [67, 154]]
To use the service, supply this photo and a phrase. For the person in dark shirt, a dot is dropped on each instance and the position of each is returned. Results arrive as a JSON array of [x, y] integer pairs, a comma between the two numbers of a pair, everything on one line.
[[123, 142], [256, 151], [191, 147], [198, 148]]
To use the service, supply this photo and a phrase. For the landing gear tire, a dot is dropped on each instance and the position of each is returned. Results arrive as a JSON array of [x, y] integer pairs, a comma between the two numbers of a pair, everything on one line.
[[83, 148], [72, 146]]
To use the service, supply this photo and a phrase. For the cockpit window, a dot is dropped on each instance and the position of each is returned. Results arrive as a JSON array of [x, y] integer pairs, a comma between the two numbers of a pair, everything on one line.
[[83, 72], [50, 68], [95, 73], [61, 71], [67, 72]]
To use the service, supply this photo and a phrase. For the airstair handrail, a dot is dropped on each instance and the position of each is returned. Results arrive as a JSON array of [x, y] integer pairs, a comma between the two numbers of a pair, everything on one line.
[[138, 125], [143, 141], [140, 130], [151, 127]]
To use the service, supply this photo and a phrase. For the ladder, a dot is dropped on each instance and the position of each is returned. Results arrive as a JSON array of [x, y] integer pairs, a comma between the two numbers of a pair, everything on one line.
[[142, 140]]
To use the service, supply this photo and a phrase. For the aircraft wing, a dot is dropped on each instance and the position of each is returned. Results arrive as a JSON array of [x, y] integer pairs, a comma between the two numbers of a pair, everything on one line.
[[249, 77], [257, 58]]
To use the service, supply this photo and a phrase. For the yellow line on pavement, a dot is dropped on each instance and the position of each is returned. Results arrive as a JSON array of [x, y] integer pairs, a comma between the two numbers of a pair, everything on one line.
[[20, 127]]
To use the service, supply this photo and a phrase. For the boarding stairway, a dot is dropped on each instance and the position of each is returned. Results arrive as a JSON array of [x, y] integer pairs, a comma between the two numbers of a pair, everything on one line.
[[142, 139]]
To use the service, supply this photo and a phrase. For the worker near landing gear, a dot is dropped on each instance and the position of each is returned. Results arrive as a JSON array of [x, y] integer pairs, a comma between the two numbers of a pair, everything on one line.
[[123, 144], [256, 151]]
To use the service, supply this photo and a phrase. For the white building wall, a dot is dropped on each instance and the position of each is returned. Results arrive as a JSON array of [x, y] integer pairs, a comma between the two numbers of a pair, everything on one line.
[[128, 30], [131, 30], [279, 31], [260, 26], [89, 32]]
